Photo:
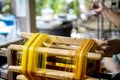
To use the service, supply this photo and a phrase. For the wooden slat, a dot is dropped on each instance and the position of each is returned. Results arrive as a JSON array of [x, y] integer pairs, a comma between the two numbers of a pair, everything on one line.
[[49, 73], [60, 39], [11, 60], [62, 46], [55, 74], [3, 53], [58, 52], [22, 77]]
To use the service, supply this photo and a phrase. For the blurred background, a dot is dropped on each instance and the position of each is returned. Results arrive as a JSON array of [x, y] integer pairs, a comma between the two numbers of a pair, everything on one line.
[[73, 18]]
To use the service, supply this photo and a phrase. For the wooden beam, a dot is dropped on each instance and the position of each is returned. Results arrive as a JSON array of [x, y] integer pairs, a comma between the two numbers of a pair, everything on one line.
[[32, 15], [59, 39], [49, 73], [58, 52], [25, 14], [55, 74], [22, 77]]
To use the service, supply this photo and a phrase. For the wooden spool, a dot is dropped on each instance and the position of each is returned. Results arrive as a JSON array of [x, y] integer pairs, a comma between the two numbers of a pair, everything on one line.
[[54, 50]]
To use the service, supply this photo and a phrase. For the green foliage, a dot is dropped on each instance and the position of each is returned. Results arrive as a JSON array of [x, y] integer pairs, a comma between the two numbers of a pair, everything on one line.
[[59, 6], [6, 8], [75, 6], [7, 1]]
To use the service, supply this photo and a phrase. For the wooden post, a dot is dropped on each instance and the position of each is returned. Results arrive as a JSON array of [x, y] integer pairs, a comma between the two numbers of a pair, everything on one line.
[[24, 10], [11, 58]]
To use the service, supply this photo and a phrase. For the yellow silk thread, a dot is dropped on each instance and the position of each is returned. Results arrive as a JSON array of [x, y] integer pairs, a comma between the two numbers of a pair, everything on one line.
[[81, 59], [30, 52], [30, 55], [33, 55], [25, 54]]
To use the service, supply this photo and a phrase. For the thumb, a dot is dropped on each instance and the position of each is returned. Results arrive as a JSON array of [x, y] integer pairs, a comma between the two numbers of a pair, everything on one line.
[[100, 7], [103, 39]]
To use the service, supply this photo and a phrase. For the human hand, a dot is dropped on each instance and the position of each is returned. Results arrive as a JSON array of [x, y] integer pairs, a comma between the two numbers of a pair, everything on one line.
[[97, 6], [109, 47]]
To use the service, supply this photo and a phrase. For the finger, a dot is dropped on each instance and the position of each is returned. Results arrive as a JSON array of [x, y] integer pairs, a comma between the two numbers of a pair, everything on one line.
[[100, 4], [103, 53], [103, 42], [105, 48], [103, 39], [99, 51], [100, 7]]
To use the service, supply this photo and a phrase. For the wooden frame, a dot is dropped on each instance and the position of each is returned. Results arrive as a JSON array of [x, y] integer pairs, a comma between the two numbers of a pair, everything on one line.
[[60, 51]]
